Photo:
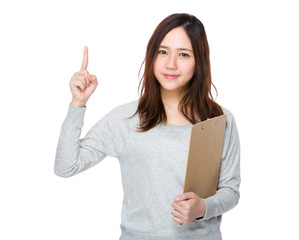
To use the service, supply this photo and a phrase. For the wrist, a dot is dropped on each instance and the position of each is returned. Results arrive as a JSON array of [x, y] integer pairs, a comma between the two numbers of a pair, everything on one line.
[[202, 209], [78, 104]]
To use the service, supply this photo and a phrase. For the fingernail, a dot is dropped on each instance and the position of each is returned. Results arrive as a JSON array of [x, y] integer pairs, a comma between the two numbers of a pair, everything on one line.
[[178, 198]]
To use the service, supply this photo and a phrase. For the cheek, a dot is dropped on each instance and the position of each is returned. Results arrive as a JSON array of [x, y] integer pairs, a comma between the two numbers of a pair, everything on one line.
[[157, 67], [157, 64], [189, 70]]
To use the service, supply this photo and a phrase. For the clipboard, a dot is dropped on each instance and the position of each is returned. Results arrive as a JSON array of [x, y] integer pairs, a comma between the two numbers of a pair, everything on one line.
[[204, 157]]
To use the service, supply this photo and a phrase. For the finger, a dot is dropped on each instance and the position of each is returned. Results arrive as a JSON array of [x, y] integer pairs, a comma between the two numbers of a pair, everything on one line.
[[178, 217], [185, 196], [180, 203], [80, 73], [88, 81], [85, 81], [81, 78], [85, 76], [78, 84], [178, 220], [92, 78], [177, 206], [85, 59], [176, 214]]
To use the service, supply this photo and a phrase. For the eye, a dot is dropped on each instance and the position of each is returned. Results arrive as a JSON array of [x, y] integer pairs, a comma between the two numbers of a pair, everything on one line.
[[162, 52], [184, 55]]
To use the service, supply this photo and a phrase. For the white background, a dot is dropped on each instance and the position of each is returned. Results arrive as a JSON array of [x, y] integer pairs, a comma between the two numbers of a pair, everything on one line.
[[254, 60]]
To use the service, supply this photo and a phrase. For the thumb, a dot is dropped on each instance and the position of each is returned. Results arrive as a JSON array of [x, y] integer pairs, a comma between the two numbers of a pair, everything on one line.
[[184, 196], [92, 78]]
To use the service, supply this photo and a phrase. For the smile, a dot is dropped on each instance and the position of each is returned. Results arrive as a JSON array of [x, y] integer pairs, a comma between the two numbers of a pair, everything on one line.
[[170, 76]]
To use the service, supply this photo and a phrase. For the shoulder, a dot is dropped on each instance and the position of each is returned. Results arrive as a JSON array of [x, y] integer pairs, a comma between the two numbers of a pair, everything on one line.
[[117, 120], [125, 110], [122, 115], [228, 113], [126, 107], [230, 120]]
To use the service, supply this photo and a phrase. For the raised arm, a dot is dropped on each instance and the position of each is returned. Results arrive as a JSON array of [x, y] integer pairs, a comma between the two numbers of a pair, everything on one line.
[[72, 155]]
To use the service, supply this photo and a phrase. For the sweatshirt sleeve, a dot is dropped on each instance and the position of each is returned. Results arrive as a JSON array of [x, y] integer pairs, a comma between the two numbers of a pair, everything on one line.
[[227, 195], [75, 155]]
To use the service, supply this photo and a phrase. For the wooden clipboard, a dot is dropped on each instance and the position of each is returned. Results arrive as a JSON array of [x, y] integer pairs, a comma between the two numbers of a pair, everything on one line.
[[204, 157]]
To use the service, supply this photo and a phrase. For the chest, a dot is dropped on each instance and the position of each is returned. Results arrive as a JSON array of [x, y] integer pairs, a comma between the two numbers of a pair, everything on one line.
[[158, 149]]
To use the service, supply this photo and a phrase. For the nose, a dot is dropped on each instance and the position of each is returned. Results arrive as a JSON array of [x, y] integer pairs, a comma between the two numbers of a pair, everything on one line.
[[171, 63]]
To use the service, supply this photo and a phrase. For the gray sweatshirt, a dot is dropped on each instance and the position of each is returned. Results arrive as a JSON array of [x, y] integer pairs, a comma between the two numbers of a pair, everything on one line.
[[153, 167]]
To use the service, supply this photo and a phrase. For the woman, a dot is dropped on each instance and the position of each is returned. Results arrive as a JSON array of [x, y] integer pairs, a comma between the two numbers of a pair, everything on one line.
[[150, 137]]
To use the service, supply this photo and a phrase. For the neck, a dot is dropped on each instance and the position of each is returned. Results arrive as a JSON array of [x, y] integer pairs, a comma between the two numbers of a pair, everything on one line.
[[171, 98]]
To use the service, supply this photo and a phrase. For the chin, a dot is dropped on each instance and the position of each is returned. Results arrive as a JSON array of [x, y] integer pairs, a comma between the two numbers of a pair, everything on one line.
[[171, 88], [170, 85]]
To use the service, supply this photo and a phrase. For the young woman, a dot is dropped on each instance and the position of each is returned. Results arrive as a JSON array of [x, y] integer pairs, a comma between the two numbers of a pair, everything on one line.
[[150, 137]]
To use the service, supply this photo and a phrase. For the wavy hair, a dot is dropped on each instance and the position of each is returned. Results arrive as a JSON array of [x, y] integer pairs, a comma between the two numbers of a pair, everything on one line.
[[198, 97]]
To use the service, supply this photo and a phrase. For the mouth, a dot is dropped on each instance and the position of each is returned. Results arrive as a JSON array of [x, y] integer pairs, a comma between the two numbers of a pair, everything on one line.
[[170, 76]]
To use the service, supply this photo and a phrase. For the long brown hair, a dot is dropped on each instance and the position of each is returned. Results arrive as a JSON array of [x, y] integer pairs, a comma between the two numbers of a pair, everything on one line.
[[198, 98]]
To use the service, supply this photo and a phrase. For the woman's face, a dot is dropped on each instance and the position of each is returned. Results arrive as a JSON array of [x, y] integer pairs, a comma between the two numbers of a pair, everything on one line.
[[174, 65]]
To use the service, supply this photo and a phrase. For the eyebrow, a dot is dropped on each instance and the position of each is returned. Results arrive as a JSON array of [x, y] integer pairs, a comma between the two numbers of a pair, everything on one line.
[[181, 49]]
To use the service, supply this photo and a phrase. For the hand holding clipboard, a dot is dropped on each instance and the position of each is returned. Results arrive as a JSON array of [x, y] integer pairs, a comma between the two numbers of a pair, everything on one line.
[[204, 157]]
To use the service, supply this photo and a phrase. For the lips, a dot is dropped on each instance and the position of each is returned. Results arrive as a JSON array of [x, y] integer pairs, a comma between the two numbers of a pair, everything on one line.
[[170, 76]]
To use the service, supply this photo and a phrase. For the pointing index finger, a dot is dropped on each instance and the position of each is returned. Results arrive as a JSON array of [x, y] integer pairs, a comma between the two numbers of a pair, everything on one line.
[[85, 59]]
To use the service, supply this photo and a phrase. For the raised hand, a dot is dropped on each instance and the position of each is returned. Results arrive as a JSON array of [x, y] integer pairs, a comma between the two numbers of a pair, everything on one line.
[[82, 83]]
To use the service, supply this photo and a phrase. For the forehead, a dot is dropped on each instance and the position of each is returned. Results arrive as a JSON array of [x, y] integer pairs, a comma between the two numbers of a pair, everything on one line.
[[177, 38]]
